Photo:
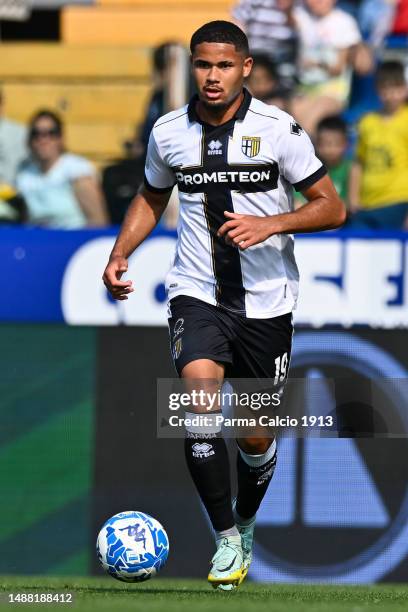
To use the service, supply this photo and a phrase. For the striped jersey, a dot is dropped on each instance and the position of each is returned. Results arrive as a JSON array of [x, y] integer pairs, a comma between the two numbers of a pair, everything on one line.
[[267, 26], [247, 165]]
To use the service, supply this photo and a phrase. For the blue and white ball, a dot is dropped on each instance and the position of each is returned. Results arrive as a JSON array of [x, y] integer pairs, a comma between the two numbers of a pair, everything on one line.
[[132, 546]]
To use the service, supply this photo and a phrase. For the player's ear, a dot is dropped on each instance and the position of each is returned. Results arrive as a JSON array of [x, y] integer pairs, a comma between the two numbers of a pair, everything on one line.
[[248, 63]]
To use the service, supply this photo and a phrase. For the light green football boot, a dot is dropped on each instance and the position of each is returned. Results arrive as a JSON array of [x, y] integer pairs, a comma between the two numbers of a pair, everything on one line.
[[227, 564], [247, 540]]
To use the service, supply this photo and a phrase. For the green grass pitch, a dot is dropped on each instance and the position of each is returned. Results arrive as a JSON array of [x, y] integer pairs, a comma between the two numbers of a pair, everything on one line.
[[168, 595]]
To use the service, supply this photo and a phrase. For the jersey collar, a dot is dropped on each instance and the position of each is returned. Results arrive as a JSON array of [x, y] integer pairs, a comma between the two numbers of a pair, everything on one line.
[[240, 113]]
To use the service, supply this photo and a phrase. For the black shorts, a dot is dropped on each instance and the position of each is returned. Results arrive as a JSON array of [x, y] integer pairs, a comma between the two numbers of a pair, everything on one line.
[[250, 348]]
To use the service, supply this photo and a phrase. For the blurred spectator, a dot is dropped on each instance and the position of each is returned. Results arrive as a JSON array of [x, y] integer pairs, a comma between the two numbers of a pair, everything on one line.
[[400, 24], [121, 180], [13, 208], [13, 149], [61, 189], [379, 176], [331, 148], [328, 36], [160, 101], [263, 82], [270, 28], [376, 18]]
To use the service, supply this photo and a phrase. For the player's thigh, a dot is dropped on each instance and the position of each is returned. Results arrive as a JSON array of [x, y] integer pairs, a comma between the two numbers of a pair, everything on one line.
[[261, 356], [262, 348], [197, 334]]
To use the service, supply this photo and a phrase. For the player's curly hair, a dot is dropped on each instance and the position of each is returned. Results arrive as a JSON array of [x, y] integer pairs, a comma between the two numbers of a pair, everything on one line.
[[221, 32]]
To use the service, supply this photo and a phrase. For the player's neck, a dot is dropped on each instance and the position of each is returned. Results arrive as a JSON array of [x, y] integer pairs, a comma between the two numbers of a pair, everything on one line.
[[215, 116]]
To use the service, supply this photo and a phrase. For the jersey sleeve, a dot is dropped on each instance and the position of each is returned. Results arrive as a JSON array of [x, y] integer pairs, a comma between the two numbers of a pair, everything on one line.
[[159, 178], [297, 158], [347, 33], [76, 167]]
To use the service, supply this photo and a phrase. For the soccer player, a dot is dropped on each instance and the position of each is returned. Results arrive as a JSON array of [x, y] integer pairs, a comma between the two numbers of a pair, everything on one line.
[[234, 281]]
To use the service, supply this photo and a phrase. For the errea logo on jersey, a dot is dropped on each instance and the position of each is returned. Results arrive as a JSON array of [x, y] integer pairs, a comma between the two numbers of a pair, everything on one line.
[[215, 148]]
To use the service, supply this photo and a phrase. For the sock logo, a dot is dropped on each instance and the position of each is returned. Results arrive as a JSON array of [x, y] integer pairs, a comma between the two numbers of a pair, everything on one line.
[[202, 449], [266, 476], [264, 472]]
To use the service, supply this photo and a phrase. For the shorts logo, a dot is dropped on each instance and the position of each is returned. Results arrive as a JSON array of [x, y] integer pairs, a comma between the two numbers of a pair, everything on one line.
[[177, 346], [251, 145], [178, 328], [202, 449]]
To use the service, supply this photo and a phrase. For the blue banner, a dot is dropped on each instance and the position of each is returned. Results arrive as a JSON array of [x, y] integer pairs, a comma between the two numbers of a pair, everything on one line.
[[55, 276]]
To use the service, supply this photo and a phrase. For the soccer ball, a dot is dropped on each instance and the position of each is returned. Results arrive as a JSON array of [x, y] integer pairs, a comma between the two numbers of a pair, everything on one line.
[[132, 546]]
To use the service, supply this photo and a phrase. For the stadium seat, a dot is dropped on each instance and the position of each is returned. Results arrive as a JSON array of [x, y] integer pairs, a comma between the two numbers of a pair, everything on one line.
[[100, 92], [79, 102], [142, 26], [21, 61]]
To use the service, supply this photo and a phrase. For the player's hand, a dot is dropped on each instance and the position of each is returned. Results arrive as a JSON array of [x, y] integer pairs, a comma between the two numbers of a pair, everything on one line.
[[118, 289], [243, 231]]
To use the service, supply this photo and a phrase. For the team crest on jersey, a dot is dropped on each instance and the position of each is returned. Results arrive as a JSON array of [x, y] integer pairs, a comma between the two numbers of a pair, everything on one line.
[[177, 348], [251, 145]]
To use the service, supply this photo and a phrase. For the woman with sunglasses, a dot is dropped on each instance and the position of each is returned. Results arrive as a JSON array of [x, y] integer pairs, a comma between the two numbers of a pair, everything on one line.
[[61, 189]]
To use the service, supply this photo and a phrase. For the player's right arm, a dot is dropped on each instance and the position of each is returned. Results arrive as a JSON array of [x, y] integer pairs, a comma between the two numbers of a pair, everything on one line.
[[142, 216]]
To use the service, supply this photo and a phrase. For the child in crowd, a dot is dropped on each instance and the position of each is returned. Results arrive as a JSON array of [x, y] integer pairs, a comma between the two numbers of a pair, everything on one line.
[[379, 176], [329, 39], [331, 145], [264, 83]]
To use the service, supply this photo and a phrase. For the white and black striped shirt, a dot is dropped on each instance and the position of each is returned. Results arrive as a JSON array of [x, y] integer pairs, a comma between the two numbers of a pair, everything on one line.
[[247, 165], [266, 25]]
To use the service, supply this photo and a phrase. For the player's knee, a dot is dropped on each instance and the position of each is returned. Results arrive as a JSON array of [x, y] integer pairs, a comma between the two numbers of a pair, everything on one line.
[[255, 446]]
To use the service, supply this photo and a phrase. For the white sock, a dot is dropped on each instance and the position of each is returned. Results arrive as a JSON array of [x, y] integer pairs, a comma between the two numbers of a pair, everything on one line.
[[258, 460], [227, 533]]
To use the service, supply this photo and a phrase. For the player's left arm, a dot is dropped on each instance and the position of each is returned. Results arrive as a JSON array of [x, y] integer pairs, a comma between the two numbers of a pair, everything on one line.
[[323, 210], [300, 167]]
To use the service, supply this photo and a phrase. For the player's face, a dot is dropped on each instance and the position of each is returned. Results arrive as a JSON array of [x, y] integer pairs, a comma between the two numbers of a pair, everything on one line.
[[331, 146], [219, 71], [46, 140], [392, 96]]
